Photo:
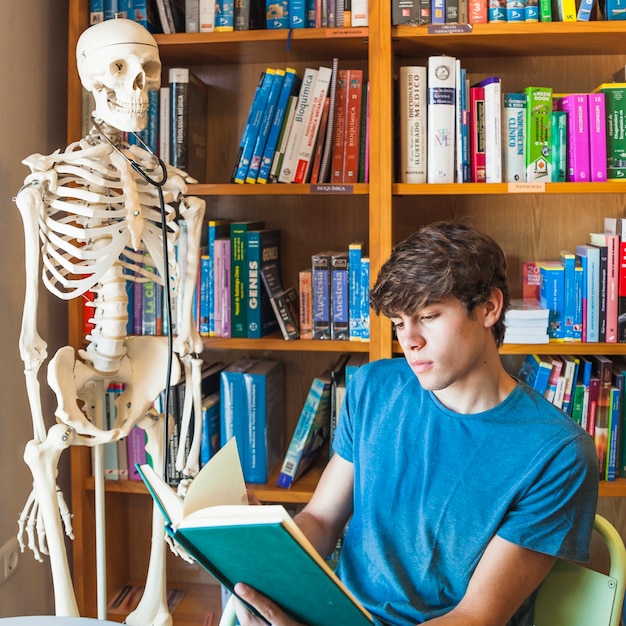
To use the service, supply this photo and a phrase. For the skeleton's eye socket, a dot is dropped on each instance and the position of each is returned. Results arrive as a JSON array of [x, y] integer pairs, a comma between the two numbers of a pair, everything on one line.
[[152, 69], [117, 67]]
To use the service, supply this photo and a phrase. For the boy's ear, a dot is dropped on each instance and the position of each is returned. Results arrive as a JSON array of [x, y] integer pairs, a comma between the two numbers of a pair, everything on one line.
[[493, 307]]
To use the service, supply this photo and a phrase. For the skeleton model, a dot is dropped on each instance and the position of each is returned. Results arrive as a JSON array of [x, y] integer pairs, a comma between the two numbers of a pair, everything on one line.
[[96, 215]]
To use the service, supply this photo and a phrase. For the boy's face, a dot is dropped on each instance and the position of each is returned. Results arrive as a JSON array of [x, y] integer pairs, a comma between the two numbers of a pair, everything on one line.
[[444, 346]]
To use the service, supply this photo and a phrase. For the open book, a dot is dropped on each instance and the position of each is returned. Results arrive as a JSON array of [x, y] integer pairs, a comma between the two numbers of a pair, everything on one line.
[[258, 545]]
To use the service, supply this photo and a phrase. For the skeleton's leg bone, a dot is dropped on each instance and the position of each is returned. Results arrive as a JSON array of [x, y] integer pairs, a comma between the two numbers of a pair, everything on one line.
[[152, 609], [193, 402], [43, 458], [189, 340]]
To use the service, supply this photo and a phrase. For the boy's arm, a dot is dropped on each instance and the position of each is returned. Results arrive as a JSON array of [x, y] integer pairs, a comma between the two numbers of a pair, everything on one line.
[[504, 577], [325, 516]]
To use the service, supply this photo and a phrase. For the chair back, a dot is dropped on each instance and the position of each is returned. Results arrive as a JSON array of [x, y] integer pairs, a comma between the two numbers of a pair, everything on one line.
[[573, 595]]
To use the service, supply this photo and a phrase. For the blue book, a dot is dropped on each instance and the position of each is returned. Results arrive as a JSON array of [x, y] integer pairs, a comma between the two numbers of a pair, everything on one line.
[[311, 14], [263, 250], [143, 14], [535, 372], [217, 229], [355, 253], [568, 260], [438, 12], [96, 11], [224, 16], [233, 405], [340, 297], [253, 124], [311, 431], [277, 14], [264, 385], [111, 7], [365, 298], [290, 86], [552, 296], [210, 441], [297, 13], [320, 283], [589, 258], [266, 123], [579, 277], [612, 453]]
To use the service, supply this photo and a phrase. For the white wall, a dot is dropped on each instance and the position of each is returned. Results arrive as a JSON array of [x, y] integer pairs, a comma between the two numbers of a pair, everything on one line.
[[33, 49]]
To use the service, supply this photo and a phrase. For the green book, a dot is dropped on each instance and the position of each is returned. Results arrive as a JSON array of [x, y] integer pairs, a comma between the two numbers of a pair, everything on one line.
[[239, 275], [259, 545]]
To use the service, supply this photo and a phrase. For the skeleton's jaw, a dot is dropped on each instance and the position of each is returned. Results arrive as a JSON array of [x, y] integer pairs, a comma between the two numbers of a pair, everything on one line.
[[124, 115]]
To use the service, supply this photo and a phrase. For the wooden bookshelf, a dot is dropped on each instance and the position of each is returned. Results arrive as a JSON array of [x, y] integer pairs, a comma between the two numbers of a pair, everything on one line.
[[530, 223]]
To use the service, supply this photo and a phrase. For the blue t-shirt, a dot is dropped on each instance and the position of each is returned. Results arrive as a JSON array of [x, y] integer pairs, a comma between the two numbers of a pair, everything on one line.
[[432, 487]]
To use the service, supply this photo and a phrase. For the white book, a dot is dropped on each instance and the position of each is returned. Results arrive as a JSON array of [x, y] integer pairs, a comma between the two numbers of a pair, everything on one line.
[[441, 118], [360, 13], [279, 155], [493, 128], [413, 153], [460, 75], [164, 124], [514, 132], [307, 145], [206, 16], [298, 126]]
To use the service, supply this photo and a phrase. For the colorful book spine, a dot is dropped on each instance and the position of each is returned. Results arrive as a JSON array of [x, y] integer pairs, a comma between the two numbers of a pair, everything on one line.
[[319, 144], [205, 288], [305, 295], [496, 11], [477, 134], [597, 137], [262, 450], [354, 105], [263, 250], [568, 261], [216, 229], [277, 14], [290, 85], [222, 288], [264, 129], [566, 10], [224, 16], [210, 438], [253, 124], [355, 254], [514, 148], [559, 146], [304, 157], [531, 11], [320, 284], [615, 107], [477, 11], [298, 126], [413, 154], [589, 258], [365, 299], [492, 89], [585, 9], [206, 16], [283, 138], [538, 133], [545, 10], [340, 297], [552, 296], [339, 128], [239, 275], [297, 13], [438, 11], [575, 105], [310, 434], [441, 116]]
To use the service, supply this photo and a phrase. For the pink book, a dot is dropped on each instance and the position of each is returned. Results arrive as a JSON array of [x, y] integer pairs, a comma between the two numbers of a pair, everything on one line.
[[222, 287], [612, 243], [597, 137], [575, 105]]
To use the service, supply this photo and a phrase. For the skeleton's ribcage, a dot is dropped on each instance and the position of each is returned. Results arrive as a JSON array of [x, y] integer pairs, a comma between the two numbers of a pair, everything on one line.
[[86, 235]]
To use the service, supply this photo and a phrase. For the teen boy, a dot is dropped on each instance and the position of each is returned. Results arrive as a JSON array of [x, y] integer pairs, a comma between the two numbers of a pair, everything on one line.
[[462, 485]]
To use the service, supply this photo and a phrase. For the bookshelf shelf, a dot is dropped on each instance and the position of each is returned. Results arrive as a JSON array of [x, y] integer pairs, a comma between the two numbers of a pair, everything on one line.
[[514, 39], [262, 45], [472, 189], [274, 189]]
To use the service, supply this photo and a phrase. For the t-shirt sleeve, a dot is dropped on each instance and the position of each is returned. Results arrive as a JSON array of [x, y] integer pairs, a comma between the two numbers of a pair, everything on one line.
[[556, 514]]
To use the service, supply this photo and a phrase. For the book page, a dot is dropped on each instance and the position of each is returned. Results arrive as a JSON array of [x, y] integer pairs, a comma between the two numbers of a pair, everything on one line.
[[219, 482]]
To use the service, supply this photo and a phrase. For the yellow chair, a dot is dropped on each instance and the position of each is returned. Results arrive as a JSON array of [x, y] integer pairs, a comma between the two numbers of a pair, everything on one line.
[[571, 595]]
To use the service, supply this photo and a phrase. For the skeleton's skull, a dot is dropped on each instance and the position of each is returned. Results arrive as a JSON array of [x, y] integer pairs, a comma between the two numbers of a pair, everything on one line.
[[118, 61]]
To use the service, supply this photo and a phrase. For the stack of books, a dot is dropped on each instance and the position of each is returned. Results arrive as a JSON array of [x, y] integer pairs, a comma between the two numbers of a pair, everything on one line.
[[526, 321]]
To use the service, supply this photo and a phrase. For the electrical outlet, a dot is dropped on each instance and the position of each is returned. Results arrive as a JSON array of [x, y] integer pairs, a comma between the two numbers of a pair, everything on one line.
[[9, 557]]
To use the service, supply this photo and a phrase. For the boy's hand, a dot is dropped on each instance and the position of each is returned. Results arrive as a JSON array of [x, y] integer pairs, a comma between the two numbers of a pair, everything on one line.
[[263, 605]]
